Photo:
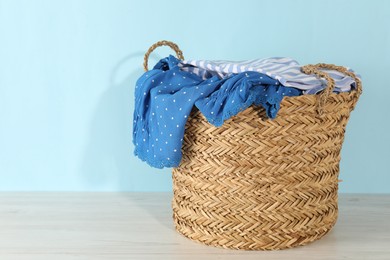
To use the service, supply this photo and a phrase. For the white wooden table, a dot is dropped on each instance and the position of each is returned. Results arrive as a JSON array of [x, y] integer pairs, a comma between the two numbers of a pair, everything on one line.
[[139, 226]]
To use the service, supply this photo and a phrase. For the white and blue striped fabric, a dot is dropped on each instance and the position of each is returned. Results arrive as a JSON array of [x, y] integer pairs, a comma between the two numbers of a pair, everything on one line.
[[286, 70]]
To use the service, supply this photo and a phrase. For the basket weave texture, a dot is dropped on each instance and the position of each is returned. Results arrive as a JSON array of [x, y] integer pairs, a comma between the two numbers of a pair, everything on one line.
[[261, 184]]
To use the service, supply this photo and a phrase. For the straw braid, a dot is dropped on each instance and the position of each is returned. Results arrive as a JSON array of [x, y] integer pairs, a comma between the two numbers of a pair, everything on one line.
[[174, 46], [323, 97]]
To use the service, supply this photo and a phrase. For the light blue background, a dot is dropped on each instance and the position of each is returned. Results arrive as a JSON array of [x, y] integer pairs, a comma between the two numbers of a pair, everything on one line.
[[68, 68]]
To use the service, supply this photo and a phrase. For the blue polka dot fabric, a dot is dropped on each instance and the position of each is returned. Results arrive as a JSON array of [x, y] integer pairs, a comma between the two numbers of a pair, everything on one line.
[[165, 96]]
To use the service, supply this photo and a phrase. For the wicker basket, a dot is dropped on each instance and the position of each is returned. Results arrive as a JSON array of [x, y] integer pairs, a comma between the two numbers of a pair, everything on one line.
[[260, 184]]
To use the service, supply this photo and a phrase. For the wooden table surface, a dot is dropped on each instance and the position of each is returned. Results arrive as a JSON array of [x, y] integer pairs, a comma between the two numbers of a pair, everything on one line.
[[139, 226]]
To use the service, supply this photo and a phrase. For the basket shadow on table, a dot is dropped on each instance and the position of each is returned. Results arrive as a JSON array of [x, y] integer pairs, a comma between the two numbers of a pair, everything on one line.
[[108, 162]]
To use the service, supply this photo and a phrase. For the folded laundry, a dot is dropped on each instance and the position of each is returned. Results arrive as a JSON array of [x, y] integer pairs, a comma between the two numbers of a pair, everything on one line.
[[286, 70], [165, 96]]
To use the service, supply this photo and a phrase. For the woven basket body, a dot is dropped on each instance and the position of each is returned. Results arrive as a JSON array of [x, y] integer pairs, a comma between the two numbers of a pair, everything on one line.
[[261, 184]]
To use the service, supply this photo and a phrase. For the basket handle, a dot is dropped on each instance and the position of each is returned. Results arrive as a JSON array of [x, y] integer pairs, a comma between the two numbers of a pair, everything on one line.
[[173, 46], [323, 97]]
